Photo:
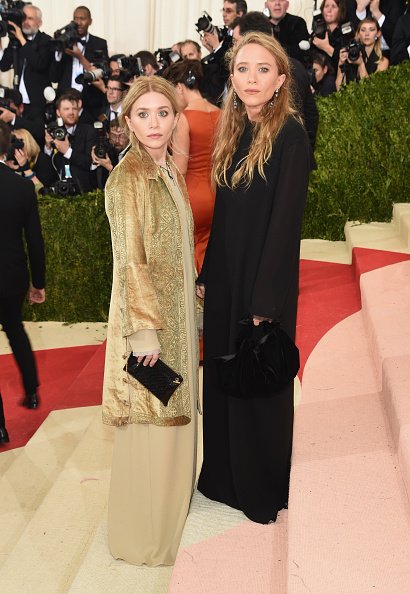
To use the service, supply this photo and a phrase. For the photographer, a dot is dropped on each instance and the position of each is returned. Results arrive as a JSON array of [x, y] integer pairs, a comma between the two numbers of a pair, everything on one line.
[[327, 35], [12, 111], [386, 13], [148, 62], [324, 83], [71, 156], [364, 58], [106, 161], [33, 59], [116, 91], [26, 158], [67, 66], [217, 41], [288, 29], [190, 50]]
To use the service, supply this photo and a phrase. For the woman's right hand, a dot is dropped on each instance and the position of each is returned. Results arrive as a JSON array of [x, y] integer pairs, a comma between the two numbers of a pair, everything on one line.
[[343, 56], [200, 291]]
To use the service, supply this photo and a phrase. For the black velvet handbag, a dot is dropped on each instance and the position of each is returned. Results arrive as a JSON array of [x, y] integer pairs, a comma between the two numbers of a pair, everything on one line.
[[267, 360], [160, 380]]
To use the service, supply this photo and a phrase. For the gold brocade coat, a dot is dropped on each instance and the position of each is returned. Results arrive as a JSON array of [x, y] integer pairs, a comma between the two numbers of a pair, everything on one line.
[[147, 289]]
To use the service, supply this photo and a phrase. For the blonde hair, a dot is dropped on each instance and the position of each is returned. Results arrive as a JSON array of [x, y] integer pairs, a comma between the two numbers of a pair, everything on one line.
[[30, 145], [378, 43], [265, 131], [143, 85]]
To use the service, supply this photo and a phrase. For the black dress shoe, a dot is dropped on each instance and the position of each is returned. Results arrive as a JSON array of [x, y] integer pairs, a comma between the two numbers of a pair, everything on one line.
[[4, 436], [31, 401]]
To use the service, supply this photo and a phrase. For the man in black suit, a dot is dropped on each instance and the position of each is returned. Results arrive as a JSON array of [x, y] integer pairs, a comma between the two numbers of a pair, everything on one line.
[[19, 216], [33, 58], [67, 66], [288, 29], [400, 49], [72, 156]]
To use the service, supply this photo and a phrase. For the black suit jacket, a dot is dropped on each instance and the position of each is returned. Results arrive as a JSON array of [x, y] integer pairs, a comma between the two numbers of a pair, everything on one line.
[[19, 216], [289, 32], [61, 72], [215, 72], [81, 142], [37, 57], [401, 40]]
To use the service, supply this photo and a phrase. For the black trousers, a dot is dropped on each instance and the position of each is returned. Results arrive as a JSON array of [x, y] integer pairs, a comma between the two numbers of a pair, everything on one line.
[[11, 308]]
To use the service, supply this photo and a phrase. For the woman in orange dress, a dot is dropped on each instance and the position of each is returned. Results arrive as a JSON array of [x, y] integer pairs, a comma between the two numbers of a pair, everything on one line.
[[192, 148]]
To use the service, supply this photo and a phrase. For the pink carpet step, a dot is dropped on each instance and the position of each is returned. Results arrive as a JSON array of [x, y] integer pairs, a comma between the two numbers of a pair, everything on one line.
[[348, 518]]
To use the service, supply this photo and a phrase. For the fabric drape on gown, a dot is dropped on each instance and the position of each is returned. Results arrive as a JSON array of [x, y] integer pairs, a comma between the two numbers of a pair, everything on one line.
[[154, 467], [251, 267], [202, 126]]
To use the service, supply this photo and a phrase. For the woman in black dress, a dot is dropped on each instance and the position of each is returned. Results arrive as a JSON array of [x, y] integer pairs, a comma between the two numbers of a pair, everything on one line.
[[261, 169]]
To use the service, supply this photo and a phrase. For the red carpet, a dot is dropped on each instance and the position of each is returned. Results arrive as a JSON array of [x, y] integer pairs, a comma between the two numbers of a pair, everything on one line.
[[58, 369], [72, 377]]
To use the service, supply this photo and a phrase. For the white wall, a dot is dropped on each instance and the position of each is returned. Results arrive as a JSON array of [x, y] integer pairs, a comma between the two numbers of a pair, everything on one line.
[[133, 25]]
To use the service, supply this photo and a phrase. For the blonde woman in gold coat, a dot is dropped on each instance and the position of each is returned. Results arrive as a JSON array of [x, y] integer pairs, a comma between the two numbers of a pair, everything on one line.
[[152, 314]]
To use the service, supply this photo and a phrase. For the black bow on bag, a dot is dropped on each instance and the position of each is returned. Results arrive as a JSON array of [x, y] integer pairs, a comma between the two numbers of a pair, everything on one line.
[[267, 360]]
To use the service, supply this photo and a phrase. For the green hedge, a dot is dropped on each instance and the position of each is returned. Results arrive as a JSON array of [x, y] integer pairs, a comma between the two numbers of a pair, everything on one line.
[[362, 153], [363, 157]]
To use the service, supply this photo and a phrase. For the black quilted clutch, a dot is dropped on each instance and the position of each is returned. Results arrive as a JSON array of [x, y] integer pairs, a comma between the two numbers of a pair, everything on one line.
[[160, 380]]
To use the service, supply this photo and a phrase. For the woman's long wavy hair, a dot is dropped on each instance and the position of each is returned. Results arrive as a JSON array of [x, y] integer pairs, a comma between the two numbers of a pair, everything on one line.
[[378, 43], [143, 85], [265, 131]]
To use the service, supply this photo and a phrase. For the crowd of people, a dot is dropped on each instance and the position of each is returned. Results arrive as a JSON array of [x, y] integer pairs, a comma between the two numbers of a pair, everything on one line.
[[198, 159]]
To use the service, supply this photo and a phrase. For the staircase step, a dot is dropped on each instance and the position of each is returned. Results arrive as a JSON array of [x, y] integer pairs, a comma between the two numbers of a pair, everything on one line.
[[33, 470], [64, 524], [100, 572], [401, 218], [348, 503]]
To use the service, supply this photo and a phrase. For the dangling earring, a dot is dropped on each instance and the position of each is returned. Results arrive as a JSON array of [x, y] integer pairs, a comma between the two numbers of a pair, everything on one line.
[[275, 96], [235, 100]]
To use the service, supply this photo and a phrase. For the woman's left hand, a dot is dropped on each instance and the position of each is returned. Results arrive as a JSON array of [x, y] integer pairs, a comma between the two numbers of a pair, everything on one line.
[[21, 157], [258, 319], [148, 359]]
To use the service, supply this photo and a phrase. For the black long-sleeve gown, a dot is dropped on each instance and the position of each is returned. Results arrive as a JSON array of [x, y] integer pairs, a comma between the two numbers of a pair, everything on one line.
[[251, 267]]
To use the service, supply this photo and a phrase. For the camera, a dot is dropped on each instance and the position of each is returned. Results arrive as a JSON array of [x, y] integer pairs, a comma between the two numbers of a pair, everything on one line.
[[66, 37], [204, 25], [56, 129], [11, 11], [62, 188], [102, 145], [353, 47], [15, 143], [130, 67], [319, 26], [100, 71], [165, 57]]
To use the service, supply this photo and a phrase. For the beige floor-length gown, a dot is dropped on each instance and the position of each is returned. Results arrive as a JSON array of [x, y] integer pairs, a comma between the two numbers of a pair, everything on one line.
[[154, 467]]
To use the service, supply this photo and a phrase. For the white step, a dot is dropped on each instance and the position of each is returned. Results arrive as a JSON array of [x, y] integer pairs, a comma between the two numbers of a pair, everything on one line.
[[393, 236], [34, 468], [47, 556]]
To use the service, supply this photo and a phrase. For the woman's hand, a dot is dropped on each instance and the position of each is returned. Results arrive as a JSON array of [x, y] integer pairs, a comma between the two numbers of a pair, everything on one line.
[[21, 157], [200, 291], [323, 44], [103, 162], [342, 56], [148, 359], [258, 319]]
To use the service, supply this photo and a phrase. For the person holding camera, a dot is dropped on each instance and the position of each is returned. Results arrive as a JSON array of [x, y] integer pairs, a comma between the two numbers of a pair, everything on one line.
[[324, 83], [288, 29], [386, 13], [67, 66], [19, 225], [26, 158], [70, 146], [107, 152], [363, 58], [327, 34], [12, 111], [32, 54]]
